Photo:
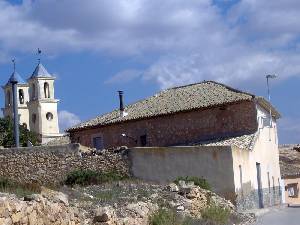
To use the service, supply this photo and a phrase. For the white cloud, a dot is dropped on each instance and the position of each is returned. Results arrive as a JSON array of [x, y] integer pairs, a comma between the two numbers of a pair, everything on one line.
[[186, 41], [124, 76], [67, 119]]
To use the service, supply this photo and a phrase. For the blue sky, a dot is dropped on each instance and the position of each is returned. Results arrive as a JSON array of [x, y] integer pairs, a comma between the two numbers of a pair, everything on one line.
[[144, 46]]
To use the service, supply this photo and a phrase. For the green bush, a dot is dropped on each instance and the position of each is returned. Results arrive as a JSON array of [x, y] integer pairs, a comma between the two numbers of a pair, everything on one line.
[[88, 177], [201, 182], [169, 217], [163, 217], [5, 183], [7, 134], [216, 214]]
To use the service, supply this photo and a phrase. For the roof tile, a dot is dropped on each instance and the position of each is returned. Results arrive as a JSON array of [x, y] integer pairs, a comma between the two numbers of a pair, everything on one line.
[[178, 99], [40, 71]]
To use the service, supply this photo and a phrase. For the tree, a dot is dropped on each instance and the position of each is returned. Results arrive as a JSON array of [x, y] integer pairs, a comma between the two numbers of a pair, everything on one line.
[[7, 134]]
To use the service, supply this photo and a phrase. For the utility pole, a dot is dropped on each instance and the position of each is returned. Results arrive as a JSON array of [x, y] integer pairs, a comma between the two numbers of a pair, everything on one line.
[[14, 82], [270, 108]]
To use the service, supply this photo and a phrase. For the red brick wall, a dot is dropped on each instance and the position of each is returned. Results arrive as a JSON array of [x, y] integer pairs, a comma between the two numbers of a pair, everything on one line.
[[177, 129]]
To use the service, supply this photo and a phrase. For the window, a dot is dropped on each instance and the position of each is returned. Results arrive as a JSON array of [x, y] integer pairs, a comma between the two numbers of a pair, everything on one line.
[[33, 92], [8, 98], [21, 96], [97, 143], [143, 140], [292, 190], [46, 90], [33, 118], [49, 116], [263, 122]]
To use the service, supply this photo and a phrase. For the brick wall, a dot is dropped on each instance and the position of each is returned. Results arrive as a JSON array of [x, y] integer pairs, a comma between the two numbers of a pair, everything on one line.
[[176, 129], [51, 164]]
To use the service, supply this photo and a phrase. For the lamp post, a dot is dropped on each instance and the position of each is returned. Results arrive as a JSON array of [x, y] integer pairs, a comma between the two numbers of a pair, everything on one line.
[[269, 97], [14, 81], [132, 138]]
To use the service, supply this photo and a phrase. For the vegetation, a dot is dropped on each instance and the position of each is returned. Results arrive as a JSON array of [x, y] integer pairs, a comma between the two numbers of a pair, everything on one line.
[[201, 182], [7, 134], [88, 177], [216, 214], [21, 190], [169, 217], [213, 215], [163, 217]]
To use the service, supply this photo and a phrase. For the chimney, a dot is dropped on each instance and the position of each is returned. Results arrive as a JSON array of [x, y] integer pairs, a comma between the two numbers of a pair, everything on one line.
[[122, 111]]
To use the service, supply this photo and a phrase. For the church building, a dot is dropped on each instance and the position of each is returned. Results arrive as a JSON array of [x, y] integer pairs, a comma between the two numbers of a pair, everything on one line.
[[37, 106]]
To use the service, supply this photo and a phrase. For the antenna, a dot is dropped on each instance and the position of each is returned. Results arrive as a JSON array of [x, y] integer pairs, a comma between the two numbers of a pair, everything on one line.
[[39, 52], [14, 63]]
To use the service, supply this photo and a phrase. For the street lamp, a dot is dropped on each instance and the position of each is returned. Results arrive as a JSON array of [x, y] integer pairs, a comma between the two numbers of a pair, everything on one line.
[[132, 138], [273, 76], [14, 81]]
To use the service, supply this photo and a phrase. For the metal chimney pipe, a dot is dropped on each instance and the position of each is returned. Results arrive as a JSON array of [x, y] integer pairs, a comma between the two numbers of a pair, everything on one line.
[[121, 103]]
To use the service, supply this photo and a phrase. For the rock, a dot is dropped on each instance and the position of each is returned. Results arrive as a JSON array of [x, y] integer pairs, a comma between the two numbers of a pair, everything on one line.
[[180, 208], [181, 184], [190, 184], [39, 210], [103, 214], [88, 195], [54, 196], [16, 217], [173, 187], [192, 193]]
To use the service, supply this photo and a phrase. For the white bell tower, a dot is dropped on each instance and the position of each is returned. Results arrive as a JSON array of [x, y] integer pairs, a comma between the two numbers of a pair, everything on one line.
[[23, 98], [42, 106]]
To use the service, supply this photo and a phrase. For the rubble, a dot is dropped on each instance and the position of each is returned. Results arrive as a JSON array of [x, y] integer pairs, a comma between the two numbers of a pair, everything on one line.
[[111, 204], [38, 209]]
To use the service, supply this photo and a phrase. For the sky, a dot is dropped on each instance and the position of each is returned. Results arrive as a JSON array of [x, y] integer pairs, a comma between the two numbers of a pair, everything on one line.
[[98, 47]]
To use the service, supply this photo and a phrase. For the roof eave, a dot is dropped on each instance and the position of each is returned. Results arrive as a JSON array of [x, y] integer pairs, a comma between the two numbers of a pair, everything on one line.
[[148, 117], [266, 105]]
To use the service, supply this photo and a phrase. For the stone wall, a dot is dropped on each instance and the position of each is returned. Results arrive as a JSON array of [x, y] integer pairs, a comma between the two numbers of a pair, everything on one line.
[[176, 129], [51, 164], [250, 199]]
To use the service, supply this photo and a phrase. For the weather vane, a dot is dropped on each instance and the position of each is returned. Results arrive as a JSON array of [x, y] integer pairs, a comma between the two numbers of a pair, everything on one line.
[[14, 63], [39, 52]]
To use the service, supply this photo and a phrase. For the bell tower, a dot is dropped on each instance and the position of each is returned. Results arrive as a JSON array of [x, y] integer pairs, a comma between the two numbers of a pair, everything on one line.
[[22, 97], [42, 105]]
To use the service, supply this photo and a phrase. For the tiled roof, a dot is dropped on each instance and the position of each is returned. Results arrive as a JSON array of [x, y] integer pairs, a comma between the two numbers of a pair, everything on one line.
[[15, 76], [40, 71], [173, 100], [246, 141], [289, 161]]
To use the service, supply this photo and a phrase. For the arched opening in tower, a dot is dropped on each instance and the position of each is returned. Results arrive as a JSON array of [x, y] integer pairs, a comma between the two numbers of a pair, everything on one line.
[[21, 96], [46, 90]]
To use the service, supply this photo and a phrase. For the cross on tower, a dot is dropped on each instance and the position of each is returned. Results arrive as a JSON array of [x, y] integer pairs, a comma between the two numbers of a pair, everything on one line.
[[14, 63], [39, 52]]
